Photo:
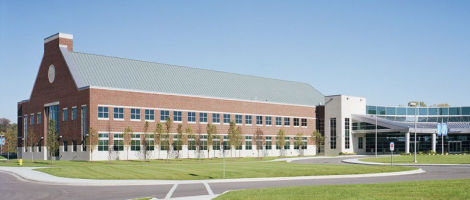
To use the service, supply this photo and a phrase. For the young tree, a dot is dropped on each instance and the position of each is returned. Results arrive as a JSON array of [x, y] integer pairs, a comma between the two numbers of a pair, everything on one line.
[[298, 141], [189, 134], [52, 140], [317, 139], [231, 132], [281, 140], [179, 141], [211, 129], [258, 136], [239, 139], [32, 140], [146, 137], [168, 125], [92, 140], [11, 140], [127, 139], [157, 136]]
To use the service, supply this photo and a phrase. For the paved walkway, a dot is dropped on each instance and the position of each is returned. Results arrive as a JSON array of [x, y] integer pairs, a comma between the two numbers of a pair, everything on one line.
[[357, 161]]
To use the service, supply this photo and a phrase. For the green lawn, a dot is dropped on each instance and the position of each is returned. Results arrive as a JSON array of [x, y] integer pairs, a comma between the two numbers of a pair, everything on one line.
[[424, 159], [194, 169], [446, 189]]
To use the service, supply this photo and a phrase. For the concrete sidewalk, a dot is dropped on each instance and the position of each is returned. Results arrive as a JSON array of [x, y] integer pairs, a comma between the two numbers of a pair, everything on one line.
[[29, 174], [316, 157], [357, 161]]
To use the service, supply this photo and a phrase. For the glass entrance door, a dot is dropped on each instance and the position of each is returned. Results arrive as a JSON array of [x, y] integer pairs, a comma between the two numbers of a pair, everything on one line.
[[455, 147]]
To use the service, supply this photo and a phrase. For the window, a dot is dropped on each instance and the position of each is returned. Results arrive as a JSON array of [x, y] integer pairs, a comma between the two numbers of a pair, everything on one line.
[[304, 142], [66, 146], [203, 142], [118, 113], [259, 120], [248, 120], [135, 114], [135, 142], [268, 121], [74, 113], [103, 139], [74, 146], [360, 142], [296, 143], [164, 142], [149, 115], [177, 143], [238, 119], [347, 128], [66, 114], [191, 142], [278, 121], [248, 143], [332, 133], [226, 144], [149, 142], [32, 119], [39, 118], [226, 118], [164, 114], [286, 121], [177, 116], [118, 142], [216, 142], [268, 143], [191, 117], [287, 144], [304, 122], [296, 122], [203, 117], [215, 118], [102, 112]]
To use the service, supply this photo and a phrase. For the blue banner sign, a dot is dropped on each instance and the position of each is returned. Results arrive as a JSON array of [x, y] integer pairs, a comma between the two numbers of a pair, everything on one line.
[[444, 129], [439, 128]]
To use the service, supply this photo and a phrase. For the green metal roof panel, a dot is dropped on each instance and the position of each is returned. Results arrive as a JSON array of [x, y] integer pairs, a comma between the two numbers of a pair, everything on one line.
[[119, 73]]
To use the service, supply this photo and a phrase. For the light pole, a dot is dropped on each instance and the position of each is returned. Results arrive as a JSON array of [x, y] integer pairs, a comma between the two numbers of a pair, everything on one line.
[[416, 121], [376, 131]]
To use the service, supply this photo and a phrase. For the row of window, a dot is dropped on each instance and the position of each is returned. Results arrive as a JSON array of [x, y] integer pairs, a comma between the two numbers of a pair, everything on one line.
[[65, 116], [381, 110], [149, 115]]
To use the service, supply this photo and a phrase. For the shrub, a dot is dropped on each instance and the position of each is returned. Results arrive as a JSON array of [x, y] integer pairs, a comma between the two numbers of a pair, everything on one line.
[[346, 153]]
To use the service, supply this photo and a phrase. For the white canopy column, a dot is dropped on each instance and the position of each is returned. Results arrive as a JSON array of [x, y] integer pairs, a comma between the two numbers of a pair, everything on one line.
[[407, 142]]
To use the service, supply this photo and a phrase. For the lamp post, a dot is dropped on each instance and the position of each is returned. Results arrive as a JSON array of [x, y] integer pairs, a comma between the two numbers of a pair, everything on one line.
[[376, 131], [416, 121]]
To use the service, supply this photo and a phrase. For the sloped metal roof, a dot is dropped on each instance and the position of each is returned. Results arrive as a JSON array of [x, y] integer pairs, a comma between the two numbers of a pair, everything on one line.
[[89, 70]]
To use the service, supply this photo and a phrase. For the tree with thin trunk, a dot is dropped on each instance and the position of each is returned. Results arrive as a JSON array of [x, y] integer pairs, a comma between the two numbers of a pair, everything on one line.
[[92, 141], [298, 141], [239, 139], [179, 140], [210, 131], [157, 136], [52, 140], [281, 141], [145, 142], [168, 125], [32, 140], [231, 132], [258, 136], [189, 134], [317, 139], [127, 139], [11, 140]]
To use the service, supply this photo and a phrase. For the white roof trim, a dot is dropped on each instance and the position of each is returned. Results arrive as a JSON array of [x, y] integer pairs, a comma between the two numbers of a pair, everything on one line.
[[51, 104], [58, 35]]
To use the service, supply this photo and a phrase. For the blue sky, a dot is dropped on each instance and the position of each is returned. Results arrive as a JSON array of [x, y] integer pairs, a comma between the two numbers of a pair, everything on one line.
[[387, 51]]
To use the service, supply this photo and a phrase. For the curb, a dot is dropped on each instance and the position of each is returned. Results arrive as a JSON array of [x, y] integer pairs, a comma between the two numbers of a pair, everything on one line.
[[357, 161], [319, 157]]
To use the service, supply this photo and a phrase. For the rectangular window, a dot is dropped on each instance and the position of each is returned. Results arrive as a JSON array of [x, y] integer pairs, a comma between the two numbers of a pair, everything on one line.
[[203, 117], [304, 142], [135, 142], [215, 118], [149, 142], [164, 142], [164, 114], [268, 143], [287, 144], [259, 120], [216, 142], [225, 143], [304, 122], [268, 121], [177, 143], [74, 113], [296, 122], [32, 119], [296, 143], [118, 113], [238, 119], [203, 142], [191, 117], [177, 116], [118, 142], [347, 133], [103, 139], [332, 133], [248, 143], [102, 112], [286, 121], [226, 118], [66, 114], [39, 118], [191, 142], [149, 115], [74, 146], [360, 142], [66, 146], [135, 114], [278, 121], [248, 120]]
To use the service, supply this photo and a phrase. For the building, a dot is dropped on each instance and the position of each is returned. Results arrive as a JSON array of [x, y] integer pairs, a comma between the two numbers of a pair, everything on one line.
[[80, 92]]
